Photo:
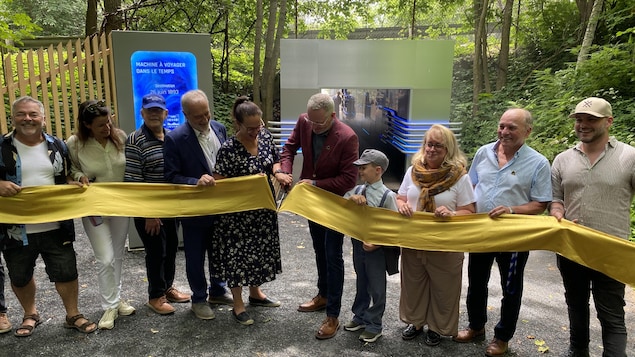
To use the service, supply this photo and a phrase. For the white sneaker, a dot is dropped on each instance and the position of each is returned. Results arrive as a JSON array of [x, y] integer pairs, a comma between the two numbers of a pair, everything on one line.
[[125, 309], [107, 321]]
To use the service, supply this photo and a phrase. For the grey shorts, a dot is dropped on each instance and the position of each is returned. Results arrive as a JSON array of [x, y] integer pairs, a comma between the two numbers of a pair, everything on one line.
[[56, 251]]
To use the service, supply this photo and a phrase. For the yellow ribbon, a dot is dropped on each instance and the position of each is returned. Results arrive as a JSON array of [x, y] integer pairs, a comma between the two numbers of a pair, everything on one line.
[[471, 233], [59, 202]]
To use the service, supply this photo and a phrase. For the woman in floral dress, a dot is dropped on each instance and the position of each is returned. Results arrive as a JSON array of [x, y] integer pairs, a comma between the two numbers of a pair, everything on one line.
[[246, 245]]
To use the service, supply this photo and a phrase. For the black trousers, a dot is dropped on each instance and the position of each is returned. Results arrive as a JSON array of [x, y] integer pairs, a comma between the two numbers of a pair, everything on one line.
[[160, 255]]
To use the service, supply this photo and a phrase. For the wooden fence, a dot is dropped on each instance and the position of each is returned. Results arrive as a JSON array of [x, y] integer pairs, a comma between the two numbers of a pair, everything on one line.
[[61, 77]]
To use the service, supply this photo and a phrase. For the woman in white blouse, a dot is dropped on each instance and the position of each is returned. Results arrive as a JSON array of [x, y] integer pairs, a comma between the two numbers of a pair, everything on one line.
[[97, 155], [431, 281]]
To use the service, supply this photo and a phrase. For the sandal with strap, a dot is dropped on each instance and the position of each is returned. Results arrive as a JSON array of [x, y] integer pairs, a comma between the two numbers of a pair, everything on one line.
[[29, 328], [84, 328]]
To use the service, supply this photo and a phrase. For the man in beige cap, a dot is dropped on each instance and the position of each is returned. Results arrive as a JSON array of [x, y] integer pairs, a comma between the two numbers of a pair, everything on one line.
[[593, 184]]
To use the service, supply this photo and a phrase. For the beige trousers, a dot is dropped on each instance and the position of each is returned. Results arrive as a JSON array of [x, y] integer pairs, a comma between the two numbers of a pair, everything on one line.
[[431, 289]]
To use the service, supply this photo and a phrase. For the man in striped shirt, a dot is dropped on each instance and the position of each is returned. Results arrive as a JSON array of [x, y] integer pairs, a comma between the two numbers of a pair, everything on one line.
[[144, 163]]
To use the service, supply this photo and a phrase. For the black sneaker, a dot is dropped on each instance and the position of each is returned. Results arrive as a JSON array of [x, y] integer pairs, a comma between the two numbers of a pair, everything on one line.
[[577, 352], [432, 338], [411, 332]]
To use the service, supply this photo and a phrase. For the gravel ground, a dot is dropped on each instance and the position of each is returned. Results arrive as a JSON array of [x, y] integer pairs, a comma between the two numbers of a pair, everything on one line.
[[282, 331]]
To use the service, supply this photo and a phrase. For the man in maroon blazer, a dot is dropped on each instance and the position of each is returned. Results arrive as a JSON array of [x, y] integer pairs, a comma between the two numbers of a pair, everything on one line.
[[329, 148]]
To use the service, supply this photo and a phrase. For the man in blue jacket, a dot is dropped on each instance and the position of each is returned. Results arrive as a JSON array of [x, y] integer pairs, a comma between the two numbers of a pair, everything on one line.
[[189, 158]]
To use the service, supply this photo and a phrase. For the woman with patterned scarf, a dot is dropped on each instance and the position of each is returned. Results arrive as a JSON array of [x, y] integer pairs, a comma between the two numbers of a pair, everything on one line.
[[431, 281]]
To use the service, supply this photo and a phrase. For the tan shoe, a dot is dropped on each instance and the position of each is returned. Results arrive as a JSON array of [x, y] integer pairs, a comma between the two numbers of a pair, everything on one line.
[[160, 306], [496, 348], [174, 295], [107, 321], [124, 309], [469, 335], [5, 324], [316, 304], [328, 329]]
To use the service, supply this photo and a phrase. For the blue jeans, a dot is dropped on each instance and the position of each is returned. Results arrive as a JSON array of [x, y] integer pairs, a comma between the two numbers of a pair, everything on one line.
[[370, 268], [479, 270], [197, 243], [160, 255], [327, 244], [608, 295]]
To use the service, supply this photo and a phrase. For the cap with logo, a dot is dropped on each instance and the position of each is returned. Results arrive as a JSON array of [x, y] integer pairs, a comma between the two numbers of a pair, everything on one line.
[[597, 107], [372, 156], [153, 101]]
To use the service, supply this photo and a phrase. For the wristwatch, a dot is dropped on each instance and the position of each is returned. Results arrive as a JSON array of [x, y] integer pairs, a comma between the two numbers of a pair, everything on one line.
[[279, 171]]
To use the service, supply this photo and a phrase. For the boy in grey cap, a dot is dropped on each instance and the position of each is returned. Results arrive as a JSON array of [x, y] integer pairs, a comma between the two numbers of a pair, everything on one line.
[[371, 261]]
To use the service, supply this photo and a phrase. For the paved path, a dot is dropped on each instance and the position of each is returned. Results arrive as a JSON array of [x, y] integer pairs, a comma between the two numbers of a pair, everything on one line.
[[281, 331]]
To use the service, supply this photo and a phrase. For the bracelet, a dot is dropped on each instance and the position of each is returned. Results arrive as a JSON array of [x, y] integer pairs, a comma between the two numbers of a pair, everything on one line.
[[279, 171], [511, 211]]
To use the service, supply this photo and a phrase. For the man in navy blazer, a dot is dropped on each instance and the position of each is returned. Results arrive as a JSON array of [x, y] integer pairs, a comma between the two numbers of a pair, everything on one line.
[[189, 158], [329, 148]]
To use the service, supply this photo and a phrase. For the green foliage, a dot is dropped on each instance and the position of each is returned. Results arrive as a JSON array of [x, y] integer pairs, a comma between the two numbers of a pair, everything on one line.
[[547, 30], [223, 103], [550, 96], [53, 17], [609, 67], [335, 19], [14, 27]]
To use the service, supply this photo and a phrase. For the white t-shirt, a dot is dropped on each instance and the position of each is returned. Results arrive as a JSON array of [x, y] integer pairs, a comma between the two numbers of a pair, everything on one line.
[[460, 194], [37, 170]]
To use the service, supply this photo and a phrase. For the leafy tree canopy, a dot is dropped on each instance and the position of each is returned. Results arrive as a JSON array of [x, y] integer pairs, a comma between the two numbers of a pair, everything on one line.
[[52, 17]]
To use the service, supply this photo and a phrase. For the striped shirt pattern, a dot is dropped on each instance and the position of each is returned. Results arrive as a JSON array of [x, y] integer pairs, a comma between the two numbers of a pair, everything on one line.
[[144, 157]]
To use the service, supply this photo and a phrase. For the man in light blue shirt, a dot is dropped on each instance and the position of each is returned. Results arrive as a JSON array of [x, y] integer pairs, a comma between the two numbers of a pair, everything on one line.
[[509, 177]]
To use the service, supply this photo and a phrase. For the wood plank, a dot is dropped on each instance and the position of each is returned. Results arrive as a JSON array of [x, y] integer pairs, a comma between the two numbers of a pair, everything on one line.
[[55, 115], [72, 57]]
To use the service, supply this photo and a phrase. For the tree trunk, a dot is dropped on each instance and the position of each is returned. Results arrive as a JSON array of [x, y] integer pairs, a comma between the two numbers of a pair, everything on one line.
[[589, 34], [91, 18], [412, 22], [584, 7], [257, 44], [503, 55], [480, 37], [225, 61], [272, 54], [112, 15]]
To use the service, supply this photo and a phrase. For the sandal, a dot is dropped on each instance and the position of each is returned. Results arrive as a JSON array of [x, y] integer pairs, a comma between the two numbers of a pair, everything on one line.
[[29, 328], [84, 328]]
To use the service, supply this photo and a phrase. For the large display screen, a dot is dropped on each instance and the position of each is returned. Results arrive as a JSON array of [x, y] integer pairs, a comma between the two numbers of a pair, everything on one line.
[[169, 74]]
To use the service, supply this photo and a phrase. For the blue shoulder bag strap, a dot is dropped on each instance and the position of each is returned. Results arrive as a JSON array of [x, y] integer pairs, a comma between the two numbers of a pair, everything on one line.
[[384, 197]]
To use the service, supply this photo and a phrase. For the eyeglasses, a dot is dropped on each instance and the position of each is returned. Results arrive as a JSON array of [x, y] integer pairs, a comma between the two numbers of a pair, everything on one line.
[[23, 115], [255, 129], [96, 109], [435, 145], [314, 123]]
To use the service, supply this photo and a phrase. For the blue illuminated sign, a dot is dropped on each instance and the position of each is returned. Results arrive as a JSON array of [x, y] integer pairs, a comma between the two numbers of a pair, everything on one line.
[[169, 74]]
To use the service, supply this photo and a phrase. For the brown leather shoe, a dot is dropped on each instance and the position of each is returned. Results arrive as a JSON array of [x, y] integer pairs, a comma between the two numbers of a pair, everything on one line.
[[160, 305], [469, 335], [316, 304], [329, 328], [5, 324], [496, 348], [174, 295]]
